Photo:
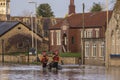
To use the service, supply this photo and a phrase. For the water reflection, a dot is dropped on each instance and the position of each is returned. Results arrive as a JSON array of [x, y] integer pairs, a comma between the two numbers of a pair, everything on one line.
[[113, 73], [32, 72]]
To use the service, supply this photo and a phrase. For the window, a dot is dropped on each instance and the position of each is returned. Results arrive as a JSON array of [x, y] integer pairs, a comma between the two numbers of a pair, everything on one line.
[[3, 3], [52, 42], [89, 34], [87, 50], [97, 33], [85, 34], [113, 44], [39, 21], [20, 45], [58, 36], [27, 21], [102, 49], [19, 28], [94, 50], [54, 22], [72, 40]]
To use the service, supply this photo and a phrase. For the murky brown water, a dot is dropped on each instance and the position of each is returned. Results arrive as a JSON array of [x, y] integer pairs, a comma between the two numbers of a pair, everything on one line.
[[33, 72]]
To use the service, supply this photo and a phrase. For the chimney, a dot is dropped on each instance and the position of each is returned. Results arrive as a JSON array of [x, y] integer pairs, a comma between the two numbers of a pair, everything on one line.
[[71, 7]]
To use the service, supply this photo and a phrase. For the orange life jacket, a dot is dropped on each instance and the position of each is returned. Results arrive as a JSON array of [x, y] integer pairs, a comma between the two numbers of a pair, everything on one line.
[[44, 59]]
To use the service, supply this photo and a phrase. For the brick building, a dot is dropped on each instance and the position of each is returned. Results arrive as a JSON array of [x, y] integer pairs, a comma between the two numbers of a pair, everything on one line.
[[67, 35]]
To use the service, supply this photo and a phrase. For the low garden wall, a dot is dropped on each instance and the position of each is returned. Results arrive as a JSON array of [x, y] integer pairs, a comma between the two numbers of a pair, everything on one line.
[[32, 58]]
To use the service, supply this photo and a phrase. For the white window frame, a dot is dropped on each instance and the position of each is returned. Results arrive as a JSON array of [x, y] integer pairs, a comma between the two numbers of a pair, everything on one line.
[[97, 33], [94, 50], [58, 37], [52, 40], [102, 46], [85, 34], [81, 34], [87, 50]]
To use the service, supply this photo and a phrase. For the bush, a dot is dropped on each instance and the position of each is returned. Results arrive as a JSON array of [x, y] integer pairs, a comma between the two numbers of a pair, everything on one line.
[[70, 55]]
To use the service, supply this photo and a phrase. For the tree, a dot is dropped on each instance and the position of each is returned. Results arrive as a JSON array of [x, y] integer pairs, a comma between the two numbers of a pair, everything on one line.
[[96, 7], [44, 10]]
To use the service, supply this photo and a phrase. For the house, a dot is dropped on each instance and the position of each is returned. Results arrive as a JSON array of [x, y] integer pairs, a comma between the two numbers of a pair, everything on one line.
[[17, 37], [67, 35], [113, 38]]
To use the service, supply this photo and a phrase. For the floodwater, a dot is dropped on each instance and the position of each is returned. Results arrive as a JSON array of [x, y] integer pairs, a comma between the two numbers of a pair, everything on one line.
[[69, 72]]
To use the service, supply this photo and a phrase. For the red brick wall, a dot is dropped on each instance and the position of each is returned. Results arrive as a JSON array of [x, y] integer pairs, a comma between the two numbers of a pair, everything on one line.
[[77, 40], [54, 47]]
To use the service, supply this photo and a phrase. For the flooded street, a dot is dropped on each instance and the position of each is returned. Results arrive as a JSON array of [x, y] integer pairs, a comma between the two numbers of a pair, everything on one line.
[[69, 72]]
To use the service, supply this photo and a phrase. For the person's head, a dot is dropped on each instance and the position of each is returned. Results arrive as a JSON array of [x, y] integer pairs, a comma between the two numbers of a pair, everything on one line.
[[56, 52], [44, 53]]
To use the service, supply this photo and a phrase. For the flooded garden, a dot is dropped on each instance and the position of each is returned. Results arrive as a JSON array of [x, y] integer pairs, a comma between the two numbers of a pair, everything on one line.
[[69, 72]]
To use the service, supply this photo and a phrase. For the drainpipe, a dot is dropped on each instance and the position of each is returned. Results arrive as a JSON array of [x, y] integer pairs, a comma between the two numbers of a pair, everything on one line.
[[2, 51]]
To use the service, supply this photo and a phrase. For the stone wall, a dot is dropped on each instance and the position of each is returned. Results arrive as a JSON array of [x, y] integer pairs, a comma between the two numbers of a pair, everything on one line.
[[23, 31], [113, 37], [32, 58]]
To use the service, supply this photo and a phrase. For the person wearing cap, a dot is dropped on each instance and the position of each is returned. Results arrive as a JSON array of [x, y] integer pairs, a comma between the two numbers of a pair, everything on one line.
[[44, 59]]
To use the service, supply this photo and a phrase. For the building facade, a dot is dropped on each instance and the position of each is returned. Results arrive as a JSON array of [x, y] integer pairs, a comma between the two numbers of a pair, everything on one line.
[[39, 25], [113, 38], [68, 36], [16, 37]]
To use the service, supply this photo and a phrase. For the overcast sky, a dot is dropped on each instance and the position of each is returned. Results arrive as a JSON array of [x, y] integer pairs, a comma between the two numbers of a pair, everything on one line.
[[59, 7]]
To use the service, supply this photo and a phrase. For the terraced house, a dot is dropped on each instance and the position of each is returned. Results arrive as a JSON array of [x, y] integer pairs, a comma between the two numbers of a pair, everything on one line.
[[67, 35]]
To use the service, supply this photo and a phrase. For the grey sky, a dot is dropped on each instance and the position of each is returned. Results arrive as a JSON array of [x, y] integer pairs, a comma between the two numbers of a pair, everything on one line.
[[59, 7]]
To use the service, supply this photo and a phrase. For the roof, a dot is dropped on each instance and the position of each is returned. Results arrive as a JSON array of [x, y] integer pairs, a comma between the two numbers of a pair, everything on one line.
[[6, 26], [95, 19]]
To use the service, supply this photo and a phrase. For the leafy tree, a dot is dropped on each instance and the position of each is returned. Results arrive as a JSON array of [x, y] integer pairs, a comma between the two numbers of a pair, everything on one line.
[[96, 7], [44, 10]]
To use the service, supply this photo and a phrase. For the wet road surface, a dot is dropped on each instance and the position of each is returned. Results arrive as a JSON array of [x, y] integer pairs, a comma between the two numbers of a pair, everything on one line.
[[69, 72]]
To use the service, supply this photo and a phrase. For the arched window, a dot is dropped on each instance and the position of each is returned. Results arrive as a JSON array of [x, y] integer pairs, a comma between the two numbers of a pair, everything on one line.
[[20, 45], [72, 40]]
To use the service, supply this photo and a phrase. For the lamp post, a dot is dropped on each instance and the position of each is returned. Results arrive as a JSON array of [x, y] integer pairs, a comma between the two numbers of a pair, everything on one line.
[[83, 41], [35, 3], [32, 30]]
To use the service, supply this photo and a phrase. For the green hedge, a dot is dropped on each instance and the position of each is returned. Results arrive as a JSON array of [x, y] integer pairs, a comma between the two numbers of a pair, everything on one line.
[[70, 55]]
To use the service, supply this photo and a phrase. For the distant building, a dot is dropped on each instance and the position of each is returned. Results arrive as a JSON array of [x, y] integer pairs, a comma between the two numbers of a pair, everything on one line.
[[67, 35], [4, 9], [113, 38], [16, 37], [30, 21]]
